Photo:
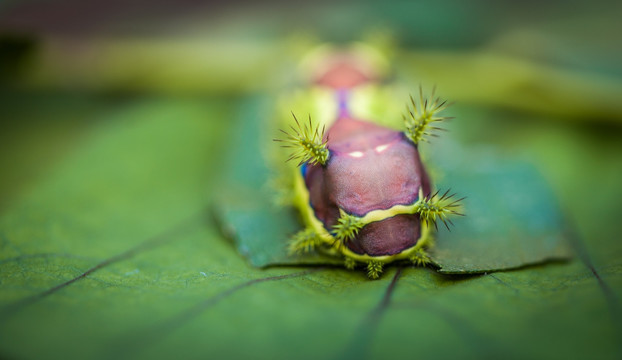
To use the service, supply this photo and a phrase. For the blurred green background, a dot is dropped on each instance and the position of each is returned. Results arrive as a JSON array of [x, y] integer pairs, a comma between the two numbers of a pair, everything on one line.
[[115, 127]]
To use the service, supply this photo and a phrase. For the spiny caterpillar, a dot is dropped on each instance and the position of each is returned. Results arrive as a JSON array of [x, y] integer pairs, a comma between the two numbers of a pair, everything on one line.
[[361, 188]]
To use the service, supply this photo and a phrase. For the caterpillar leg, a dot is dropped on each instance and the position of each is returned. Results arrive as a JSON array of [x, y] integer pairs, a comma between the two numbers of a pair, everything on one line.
[[420, 258], [374, 269], [304, 241]]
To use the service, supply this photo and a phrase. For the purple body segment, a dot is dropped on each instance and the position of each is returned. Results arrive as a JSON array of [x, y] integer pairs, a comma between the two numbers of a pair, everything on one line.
[[370, 168], [387, 237]]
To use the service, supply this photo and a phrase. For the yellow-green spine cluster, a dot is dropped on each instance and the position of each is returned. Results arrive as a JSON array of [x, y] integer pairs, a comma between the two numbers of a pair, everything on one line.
[[308, 143], [420, 116]]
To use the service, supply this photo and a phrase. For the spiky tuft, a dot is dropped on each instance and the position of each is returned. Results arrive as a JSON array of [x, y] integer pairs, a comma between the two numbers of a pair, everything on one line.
[[347, 227], [308, 143], [420, 258], [438, 207], [304, 241], [422, 114], [374, 269]]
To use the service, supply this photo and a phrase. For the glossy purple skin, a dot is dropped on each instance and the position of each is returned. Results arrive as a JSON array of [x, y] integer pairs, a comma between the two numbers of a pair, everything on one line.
[[370, 168]]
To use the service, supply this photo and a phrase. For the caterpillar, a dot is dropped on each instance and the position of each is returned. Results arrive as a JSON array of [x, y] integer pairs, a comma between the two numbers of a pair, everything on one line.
[[361, 188]]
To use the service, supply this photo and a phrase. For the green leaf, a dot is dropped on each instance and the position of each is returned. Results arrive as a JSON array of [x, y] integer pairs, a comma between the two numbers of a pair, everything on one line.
[[512, 218], [110, 253]]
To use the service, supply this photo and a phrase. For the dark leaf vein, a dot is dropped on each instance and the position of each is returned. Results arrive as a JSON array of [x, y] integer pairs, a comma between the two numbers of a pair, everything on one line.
[[148, 244]]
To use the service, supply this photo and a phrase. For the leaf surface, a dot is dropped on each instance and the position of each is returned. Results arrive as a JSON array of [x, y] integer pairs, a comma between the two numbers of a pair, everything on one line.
[[113, 254]]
